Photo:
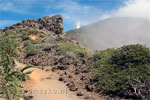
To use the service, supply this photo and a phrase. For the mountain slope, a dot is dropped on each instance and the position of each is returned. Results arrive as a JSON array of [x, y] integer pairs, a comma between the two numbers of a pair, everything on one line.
[[113, 32], [41, 44]]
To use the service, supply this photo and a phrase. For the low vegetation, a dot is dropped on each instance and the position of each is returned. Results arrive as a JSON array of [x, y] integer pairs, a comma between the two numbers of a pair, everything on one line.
[[25, 37], [36, 41], [31, 50], [74, 50], [10, 78], [124, 71]]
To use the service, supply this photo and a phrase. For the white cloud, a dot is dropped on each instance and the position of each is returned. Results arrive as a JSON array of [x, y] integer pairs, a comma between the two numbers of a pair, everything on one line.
[[135, 8], [132, 8], [73, 12], [16, 6]]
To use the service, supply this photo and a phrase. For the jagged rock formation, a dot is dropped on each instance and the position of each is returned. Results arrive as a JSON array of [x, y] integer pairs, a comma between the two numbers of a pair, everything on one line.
[[52, 24]]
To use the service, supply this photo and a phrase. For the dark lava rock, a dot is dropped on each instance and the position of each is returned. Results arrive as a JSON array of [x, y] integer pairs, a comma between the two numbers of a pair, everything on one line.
[[79, 93], [77, 71], [67, 60], [61, 79], [70, 76], [83, 78], [28, 97], [72, 86], [47, 70], [53, 24], [89, 97], [89, 88], [62, 67]]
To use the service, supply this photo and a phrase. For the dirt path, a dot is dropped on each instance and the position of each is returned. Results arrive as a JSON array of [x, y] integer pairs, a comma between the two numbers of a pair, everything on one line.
[[45, 86]]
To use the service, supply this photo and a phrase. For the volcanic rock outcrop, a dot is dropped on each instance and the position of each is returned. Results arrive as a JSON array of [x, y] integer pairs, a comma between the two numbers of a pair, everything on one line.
[[52, 24]]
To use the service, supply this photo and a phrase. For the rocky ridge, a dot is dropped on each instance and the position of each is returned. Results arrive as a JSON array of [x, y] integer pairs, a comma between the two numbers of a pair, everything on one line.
[[52, 24]]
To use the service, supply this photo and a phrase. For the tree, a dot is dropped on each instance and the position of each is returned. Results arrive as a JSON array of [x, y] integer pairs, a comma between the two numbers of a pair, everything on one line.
[[125, 71]]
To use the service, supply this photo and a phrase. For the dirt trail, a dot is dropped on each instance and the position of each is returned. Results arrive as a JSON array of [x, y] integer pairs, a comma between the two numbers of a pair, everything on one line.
[[44, 85]]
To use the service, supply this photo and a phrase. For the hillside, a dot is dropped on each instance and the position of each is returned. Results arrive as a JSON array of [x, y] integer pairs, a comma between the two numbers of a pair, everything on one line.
[[113, 33], [41, 42], [59, 61]]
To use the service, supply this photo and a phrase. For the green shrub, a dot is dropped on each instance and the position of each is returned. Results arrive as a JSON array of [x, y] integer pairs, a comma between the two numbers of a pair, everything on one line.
[[10, 78], [42, 36], [59, 39], [7, 47], [103, 56], [23, 30], [36, 41], [25, 37], [27, 43], [76, 50], [10, 32], [124, 71], [31, 50]]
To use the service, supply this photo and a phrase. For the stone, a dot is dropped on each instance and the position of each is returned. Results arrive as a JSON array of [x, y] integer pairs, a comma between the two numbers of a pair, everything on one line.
[[72, 86], [89, 97], [28, 98], [80, 93], [83, 78], [89, 87], [62, 67], [70, 76], [61, 79]]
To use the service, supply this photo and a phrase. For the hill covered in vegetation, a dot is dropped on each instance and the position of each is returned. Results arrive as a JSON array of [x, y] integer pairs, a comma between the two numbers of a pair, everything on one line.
[[114, 73]]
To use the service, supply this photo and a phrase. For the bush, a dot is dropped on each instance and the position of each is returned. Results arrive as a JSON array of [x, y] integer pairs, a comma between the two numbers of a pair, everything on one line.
[[36, 41], [10, 78], [32, 50], [59, 39], [7, 47], [101, 57], [10, 32], [124, 71], [25, 37], [42, 35], [76, 50]]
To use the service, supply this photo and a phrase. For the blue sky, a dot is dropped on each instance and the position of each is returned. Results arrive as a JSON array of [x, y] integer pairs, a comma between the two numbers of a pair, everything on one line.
[[85, 11]]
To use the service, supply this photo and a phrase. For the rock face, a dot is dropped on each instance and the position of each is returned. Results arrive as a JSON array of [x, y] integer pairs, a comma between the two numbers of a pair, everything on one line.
[[52, 24]]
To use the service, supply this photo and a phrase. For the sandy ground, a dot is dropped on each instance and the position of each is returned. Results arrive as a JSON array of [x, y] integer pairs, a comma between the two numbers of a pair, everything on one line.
[[45, 86]]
